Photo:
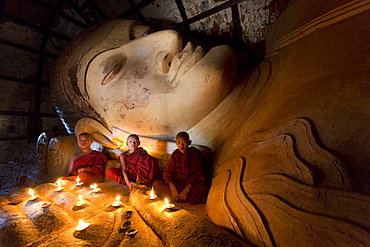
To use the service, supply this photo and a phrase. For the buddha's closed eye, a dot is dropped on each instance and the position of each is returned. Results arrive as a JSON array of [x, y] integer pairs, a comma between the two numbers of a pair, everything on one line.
[[114, 72]]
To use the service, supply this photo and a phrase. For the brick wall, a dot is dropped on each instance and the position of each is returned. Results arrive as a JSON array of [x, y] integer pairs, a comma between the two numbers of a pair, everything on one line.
[[13, 174]]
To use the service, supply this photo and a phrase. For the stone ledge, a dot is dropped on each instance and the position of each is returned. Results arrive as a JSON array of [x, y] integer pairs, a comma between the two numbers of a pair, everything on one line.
[[178, 227]]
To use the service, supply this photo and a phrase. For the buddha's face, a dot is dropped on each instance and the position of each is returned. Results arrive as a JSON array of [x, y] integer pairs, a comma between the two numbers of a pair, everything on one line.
[[151, 86]]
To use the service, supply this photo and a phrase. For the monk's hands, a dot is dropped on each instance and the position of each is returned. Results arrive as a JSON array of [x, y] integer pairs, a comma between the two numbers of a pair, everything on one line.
[[183, 195], [131, 186], [83, 170], [185, 192], [174, 193]]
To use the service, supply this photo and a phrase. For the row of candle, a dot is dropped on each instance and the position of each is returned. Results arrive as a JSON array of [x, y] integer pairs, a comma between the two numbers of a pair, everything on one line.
[[83, 225], [78, 183], [94, 188]]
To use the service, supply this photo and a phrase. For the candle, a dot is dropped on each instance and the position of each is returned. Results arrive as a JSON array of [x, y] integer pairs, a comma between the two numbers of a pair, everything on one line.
[[117, 203], [81, 202], [45, 204], [59, 184], [82, 225], [95, 188], [119, 144], [167, 204], [32, 193], [152, 195], [78, 183]]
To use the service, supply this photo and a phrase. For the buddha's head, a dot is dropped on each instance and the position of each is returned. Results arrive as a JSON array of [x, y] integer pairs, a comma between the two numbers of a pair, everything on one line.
[[148, 84]]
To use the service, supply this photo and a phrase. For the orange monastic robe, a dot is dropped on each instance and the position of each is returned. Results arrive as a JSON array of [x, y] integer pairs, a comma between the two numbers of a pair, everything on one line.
[[140, 166], [183, 169], [95, 162]]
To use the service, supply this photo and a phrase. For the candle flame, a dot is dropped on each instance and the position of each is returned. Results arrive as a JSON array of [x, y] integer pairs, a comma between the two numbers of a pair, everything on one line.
[[81, 225], [80, 198], [166, 202], [59, 183], [118, 198], [32, 193], [95, 186], [152, 194], [119, 145], [78, 179]]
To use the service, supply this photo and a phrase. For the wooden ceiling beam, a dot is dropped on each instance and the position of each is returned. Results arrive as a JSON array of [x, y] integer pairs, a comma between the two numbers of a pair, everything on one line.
[[27, 114], [80, 11], [96, 10], [33, 26], [61, 13], [137, 11], [21, 80], [26, 48], [139, 6], [36, 126], [209, 12], [184, 17], [237, 39]]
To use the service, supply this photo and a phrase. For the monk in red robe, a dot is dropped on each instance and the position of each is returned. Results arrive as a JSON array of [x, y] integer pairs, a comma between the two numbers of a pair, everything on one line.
[[88, 164], [185, 175], [135, 165]]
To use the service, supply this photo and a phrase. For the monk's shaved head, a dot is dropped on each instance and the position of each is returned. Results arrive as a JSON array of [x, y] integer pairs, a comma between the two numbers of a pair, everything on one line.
[[85, 134], [184, 135], [133, 136]]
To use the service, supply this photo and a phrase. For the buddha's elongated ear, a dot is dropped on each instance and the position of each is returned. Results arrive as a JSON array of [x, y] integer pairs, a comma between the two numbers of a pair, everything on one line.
[[98, 132]]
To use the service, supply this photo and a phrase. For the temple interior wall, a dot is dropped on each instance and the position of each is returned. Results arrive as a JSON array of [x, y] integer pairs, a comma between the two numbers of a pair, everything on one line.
[[20, 128], [294, 123]]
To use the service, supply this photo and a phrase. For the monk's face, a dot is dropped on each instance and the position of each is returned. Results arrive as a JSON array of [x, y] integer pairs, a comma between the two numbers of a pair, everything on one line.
[[84, 141], [153, 86], [182, 144], [132, 143]]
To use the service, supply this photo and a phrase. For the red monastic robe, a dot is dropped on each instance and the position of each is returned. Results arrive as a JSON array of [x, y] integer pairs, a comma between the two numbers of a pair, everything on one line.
[[188, 168], [140, 166], [95, 162]]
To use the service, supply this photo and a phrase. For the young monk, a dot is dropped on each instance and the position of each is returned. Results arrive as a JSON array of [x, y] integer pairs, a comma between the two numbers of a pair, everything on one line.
[[88, 164], [185, 176], [135, 165]]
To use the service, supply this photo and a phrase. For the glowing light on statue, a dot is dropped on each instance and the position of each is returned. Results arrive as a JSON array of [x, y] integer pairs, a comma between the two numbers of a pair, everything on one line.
[[82, 225]]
